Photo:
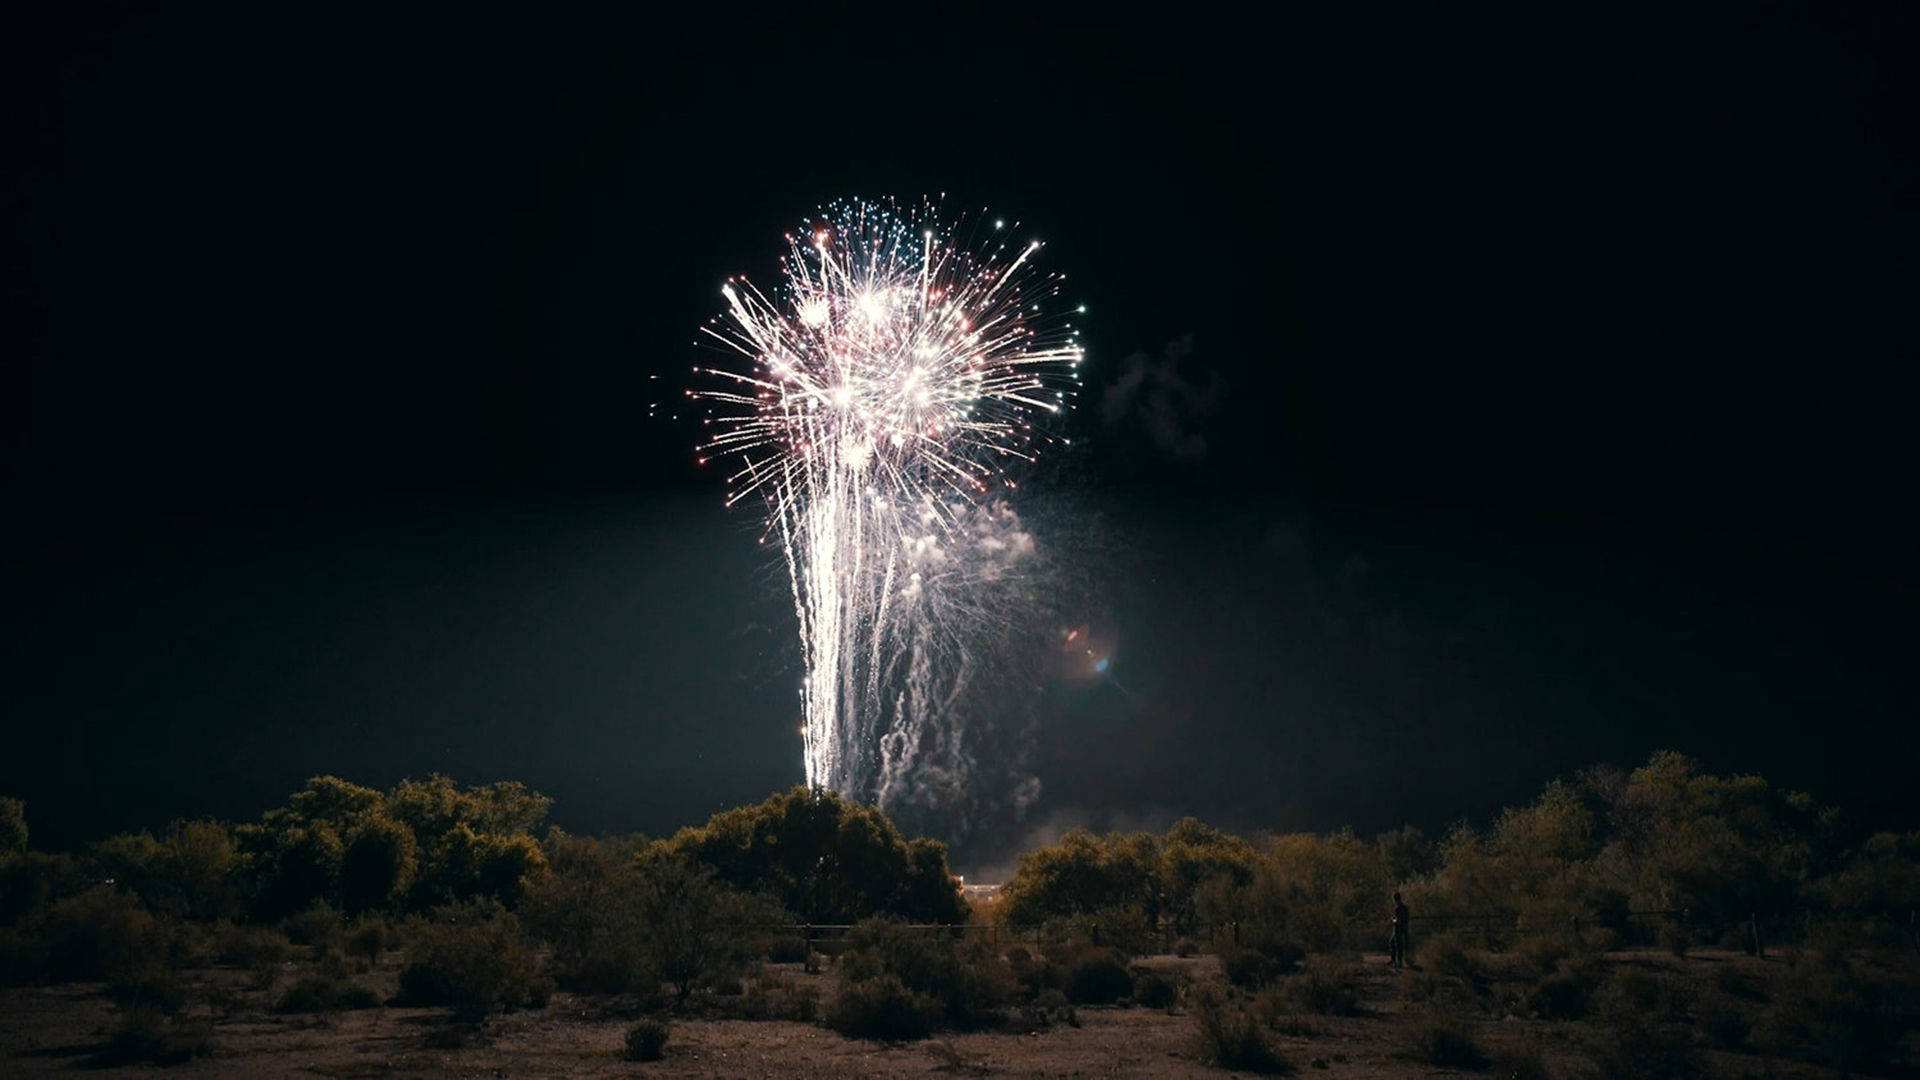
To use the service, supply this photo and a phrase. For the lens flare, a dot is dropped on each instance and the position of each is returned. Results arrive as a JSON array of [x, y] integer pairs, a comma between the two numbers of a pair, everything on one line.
[[879, 402]]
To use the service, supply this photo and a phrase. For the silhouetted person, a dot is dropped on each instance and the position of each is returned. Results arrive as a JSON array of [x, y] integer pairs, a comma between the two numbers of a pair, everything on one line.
[[1397, 944]]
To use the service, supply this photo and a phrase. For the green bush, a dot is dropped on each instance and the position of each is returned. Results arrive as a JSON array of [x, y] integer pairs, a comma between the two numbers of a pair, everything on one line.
[[647, 1040], [1231, 1036], [1098, 977], [100, 934], [881, 1008], [472, 959], [969, 982]]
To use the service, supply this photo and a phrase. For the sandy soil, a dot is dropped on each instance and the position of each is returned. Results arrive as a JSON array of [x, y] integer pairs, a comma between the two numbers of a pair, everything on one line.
[[58, 1029]]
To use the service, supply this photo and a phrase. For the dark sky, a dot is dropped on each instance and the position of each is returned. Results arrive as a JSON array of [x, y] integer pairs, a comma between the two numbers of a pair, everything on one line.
[[1515, 391]]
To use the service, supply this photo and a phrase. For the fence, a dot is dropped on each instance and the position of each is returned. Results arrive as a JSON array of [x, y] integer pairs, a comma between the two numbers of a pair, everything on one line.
[[1635, 929]]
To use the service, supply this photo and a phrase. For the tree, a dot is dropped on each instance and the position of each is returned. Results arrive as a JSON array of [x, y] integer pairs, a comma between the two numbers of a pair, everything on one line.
[[697, 929], [378, 866], [824, 859]]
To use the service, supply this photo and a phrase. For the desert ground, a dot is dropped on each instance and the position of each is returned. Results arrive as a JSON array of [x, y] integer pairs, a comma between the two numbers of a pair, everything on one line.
[[234, 1031]]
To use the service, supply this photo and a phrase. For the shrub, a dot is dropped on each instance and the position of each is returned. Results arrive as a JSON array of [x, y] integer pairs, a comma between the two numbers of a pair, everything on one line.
[[647, 1040], [1567, 993], [1628, 1045], [13, 826], [1675, 938], [147, 1035], [1231, 1036], [1185, 948], [1153, 991], [1325, 988], [1733, 979], [1440, 1037], [318, 993], [964, 977], [368, 937], [1725, 1025], [1245, 967], [1098, 977], [472, 959], [153, 988], [690, 926], [250, 946], [881, 1008], [318, 927], [803, 1003], [1446, 955], [1824, 1011], [1526, 1061], [787, 949], [100, 934]]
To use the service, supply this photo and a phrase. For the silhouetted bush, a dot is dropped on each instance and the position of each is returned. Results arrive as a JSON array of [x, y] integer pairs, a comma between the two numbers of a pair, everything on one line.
[[881, 1007], [1725, 1025], [647, 1040], [1185, 948], [1231, 1035], [471, 957], [32, 880], [1154, 991], [787, 949], [13, 826], [1675, 938], [1098, 977]]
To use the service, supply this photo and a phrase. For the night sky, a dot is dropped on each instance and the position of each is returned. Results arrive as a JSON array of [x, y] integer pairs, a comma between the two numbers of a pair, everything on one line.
[[1470, 397]]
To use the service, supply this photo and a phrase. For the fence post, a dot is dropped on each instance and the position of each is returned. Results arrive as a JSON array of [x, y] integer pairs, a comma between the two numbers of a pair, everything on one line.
[[1759, 944], [1236, 934], [1096, 934]]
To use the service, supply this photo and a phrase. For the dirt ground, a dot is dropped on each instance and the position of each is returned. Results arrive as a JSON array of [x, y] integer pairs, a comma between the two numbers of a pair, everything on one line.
[[62, 1028]]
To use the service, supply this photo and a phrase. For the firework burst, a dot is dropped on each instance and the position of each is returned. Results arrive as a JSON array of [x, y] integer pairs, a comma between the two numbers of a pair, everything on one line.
[[890, 383]]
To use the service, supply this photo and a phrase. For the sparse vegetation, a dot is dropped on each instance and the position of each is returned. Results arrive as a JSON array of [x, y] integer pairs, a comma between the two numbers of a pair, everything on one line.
[[316, 895], [1232, 1036], [472, 958], [647, 1040]]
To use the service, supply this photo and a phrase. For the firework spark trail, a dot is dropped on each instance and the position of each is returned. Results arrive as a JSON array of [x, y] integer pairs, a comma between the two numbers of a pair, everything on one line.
[[892, 378]]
